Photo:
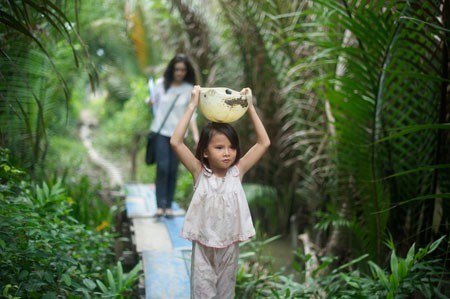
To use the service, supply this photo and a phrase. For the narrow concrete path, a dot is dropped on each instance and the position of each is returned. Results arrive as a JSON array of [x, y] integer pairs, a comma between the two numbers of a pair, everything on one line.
[[165, 256]]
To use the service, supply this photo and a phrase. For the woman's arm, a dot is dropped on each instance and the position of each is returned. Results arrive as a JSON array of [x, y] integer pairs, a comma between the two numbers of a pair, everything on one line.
[[262, 139], [177, 140]]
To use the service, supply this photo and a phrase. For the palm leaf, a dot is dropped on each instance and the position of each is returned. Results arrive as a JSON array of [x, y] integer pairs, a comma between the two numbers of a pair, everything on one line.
[[23, 112], [370, 98], [26, 94], [378, 75], [419, 53]]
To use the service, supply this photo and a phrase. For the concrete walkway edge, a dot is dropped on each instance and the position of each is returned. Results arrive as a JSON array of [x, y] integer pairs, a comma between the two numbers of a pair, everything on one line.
[[165, 255]]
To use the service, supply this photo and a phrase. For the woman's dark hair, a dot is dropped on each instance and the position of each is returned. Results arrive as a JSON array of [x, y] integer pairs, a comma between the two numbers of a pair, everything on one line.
[[208, 132], [168, 73]]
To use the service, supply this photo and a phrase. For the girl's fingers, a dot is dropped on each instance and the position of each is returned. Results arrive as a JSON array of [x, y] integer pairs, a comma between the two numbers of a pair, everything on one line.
[[195, 94], [196, 90], [246, 91]]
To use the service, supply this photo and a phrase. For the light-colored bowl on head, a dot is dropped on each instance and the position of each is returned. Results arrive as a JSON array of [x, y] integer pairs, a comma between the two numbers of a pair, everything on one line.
[[222, 105]]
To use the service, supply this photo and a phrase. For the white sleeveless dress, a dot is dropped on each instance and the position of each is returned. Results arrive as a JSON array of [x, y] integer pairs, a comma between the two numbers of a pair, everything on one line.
[[218, 214]]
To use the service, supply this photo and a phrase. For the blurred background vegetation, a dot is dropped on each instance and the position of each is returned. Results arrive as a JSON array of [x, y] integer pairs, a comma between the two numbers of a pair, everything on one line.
[[354, 95]]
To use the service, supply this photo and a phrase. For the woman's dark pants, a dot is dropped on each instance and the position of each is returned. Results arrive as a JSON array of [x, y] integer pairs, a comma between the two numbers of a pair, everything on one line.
[[166, 172]]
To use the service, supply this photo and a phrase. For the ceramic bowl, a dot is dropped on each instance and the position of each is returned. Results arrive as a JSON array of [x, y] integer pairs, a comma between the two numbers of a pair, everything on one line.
[[221, 104]]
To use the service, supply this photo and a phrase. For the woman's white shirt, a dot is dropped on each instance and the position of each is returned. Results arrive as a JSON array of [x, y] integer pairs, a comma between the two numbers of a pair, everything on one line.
[[163, 101]]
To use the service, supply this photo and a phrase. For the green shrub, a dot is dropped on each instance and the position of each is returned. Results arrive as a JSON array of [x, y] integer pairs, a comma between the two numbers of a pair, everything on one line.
[[185, 188], [44, 251], [65, 154], [418, 275], [86, 205], [117, 283], [264, 205], [42, 245], [256, 273]]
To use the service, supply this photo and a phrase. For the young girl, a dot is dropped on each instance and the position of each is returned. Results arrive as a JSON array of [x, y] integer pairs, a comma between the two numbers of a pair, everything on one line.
[[218, 217]]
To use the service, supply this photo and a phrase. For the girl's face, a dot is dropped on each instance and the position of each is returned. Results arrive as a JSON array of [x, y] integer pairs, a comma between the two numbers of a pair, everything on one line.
[[179, 72], [220, 153]]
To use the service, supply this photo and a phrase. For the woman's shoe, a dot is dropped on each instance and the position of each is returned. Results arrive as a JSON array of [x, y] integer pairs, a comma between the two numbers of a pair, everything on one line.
[[169, 213], [159, 213]]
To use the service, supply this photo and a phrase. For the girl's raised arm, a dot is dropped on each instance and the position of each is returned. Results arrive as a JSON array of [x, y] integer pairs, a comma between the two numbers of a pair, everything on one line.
[[177, 140], [262, 139]]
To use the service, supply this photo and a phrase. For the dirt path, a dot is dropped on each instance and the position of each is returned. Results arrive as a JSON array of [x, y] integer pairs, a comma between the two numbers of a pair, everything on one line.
[[87, 122]]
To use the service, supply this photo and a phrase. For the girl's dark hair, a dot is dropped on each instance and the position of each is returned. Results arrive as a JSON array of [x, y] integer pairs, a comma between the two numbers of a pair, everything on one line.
[[168, 73], [208, 132]]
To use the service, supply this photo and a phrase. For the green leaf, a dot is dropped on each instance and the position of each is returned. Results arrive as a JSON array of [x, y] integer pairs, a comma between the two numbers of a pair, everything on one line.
[[402, 269], [419, 169], [6, 290], [393, 278], [120, 276], [111, 281], [380, 274], [436, 244], [2, 244], [352, 262], [132, 276], [296, 267], [67, 280], [89, 283], [410, 256], [275, 293], [102, 286], [49, 295], [84, 292], [394, 281], [414, 129], [349, 280], [287, 294], [394, 263]]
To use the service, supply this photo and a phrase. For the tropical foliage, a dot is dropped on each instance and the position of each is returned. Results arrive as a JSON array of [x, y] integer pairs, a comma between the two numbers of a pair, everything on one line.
[[45, 251], [414, 276], [38, 39], [365, 115]]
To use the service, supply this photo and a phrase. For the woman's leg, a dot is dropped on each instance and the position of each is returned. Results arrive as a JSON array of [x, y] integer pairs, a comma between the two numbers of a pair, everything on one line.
[[162, 170], [172, 179]]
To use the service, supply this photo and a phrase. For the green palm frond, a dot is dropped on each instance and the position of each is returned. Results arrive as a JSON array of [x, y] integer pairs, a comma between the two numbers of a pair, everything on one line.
[[29, 41], [374, 69], [25, 105], [415, 75], [254, 28]]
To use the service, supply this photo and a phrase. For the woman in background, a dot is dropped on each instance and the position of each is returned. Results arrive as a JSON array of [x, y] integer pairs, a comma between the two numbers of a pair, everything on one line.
[[175, 86]]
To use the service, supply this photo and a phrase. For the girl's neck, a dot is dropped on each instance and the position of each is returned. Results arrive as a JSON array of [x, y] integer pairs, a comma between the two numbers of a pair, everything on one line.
[[221, 173]]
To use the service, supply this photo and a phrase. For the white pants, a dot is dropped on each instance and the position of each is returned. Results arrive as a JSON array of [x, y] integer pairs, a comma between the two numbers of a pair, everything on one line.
[[213, 271]]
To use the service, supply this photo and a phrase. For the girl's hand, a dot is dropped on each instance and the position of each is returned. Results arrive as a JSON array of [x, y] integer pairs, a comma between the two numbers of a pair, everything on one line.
[[248, 92], [195, 95], [248, 160]]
